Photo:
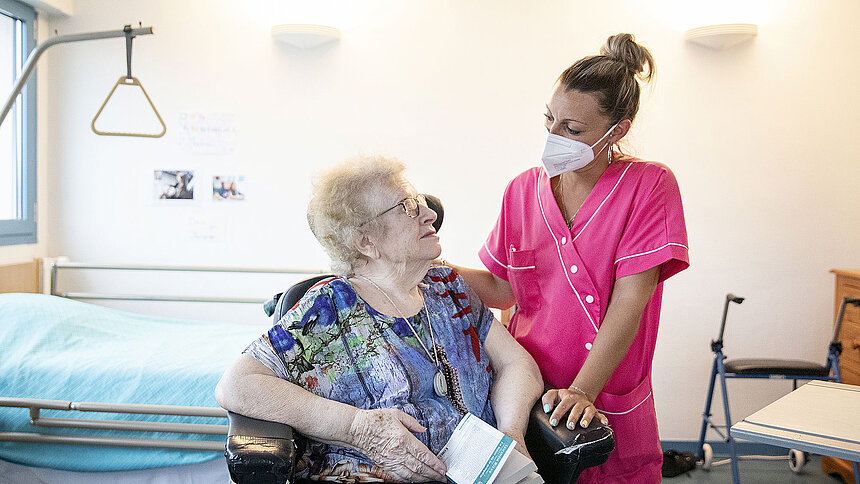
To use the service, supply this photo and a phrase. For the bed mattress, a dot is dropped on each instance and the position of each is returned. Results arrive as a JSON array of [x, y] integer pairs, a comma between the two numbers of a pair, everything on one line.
[[58, 349]]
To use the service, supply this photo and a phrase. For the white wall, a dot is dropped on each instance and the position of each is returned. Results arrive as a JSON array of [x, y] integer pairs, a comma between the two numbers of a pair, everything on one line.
[[760, 138]]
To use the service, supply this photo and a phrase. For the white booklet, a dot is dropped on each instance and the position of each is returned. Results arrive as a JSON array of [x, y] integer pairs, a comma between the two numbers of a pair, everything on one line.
[[477, 453]]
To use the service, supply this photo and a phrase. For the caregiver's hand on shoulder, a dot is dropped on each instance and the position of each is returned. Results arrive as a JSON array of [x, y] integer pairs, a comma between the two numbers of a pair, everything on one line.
[[385, 436], [582, 409]]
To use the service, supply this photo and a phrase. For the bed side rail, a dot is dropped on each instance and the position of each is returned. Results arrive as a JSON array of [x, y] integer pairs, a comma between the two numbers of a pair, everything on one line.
[[57, 265], [36, 405]]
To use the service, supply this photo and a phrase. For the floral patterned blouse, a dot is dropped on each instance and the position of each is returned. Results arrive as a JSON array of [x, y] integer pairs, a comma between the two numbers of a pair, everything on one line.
[[334, 344]]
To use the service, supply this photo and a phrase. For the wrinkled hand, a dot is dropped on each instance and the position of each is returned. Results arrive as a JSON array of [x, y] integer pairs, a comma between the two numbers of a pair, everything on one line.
[[582, 410], [385, 436]]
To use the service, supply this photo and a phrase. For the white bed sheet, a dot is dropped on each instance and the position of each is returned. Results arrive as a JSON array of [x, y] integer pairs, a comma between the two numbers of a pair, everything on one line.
[[213, 471]]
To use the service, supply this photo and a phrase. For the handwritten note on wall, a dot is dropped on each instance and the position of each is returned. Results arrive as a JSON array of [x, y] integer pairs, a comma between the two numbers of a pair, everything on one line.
[[208, 133]]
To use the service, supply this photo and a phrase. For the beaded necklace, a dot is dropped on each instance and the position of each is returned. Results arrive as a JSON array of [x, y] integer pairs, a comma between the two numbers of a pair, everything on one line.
[[440, 385]]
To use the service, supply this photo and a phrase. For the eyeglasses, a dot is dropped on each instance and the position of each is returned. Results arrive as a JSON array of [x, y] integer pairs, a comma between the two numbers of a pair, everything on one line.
[[411, 206]]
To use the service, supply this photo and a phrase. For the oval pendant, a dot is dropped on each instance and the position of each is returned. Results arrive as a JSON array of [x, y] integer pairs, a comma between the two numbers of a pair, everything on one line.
[[439, 384]]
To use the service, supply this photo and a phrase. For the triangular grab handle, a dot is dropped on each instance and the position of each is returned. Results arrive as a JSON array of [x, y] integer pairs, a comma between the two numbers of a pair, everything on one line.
[[129, 82]]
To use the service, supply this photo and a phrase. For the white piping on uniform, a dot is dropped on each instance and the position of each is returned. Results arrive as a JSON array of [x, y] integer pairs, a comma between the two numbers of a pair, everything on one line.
[[494, 257], [604, 201], [560, 258], [627, 411], [652, 251], [505, 265]]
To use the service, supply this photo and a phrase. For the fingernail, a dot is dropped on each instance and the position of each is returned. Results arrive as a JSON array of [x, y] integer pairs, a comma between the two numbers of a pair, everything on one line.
[[570, 425], [604, 421], [553, 422], [583, 423], [546, 408]]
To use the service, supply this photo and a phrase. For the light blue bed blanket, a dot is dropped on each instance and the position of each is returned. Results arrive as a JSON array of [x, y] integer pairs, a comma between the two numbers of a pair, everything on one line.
[[58, 349]]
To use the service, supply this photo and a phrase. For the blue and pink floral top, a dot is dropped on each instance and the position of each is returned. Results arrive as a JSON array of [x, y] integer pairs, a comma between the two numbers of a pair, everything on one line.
[[334, 344]]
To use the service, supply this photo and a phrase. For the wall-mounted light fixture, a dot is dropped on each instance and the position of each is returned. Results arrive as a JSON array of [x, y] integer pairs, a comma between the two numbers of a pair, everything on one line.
[[721, 36], [305, 36]]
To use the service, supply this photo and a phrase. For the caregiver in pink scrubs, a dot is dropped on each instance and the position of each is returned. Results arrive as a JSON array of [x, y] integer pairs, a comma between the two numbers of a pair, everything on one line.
[[582, 246]]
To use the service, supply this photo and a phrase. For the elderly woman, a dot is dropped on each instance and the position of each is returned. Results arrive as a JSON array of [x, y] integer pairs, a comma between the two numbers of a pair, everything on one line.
[[377, 365]]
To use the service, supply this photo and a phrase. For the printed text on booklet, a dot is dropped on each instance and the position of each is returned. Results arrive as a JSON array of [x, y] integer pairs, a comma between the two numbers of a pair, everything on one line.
[[477, 453]]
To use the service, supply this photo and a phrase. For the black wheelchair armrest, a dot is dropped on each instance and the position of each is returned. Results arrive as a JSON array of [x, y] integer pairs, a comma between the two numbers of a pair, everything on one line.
[[260, 451], [562, 454]]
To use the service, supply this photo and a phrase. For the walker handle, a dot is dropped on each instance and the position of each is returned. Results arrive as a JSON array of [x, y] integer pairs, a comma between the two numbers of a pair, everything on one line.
[[730, 298]]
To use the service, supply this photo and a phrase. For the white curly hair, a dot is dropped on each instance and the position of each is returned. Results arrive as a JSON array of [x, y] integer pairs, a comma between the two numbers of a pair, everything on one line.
[[344, 203]]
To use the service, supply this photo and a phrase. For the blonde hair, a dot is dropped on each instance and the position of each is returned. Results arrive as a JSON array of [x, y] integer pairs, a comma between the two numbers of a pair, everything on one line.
[[344, 203], [614, 75]]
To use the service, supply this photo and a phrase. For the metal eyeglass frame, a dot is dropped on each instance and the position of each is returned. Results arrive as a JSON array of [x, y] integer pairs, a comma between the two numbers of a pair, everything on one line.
[[420, 200]]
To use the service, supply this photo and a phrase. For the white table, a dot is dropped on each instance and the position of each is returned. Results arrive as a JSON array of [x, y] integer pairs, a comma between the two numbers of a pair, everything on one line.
[[819, 417]]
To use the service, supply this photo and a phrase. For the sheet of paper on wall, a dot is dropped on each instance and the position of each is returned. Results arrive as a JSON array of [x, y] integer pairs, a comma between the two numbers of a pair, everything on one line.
[[208, 133], [477, 453], [204, 228]]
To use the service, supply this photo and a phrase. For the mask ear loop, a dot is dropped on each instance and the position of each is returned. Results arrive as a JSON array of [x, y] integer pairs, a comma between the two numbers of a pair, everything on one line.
[[609, 144]]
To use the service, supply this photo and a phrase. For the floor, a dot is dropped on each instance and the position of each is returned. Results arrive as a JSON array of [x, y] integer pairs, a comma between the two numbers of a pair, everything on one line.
[[759, 471]]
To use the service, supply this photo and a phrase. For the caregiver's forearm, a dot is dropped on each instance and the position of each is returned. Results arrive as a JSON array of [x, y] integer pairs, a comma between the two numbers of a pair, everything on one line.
[[494, 291], [617, 331]]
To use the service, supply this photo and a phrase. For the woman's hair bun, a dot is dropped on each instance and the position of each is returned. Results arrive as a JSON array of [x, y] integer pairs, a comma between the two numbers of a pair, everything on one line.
[[623, 48]]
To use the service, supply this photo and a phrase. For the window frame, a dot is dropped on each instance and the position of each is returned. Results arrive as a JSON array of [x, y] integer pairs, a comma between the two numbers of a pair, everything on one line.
[[22, 230]]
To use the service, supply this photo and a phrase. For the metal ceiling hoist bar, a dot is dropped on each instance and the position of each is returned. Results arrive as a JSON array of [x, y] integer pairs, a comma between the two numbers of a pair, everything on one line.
[[30, 64], [128, 80]]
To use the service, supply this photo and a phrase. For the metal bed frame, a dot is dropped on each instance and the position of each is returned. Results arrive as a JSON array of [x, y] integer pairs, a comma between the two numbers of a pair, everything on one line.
[[36, 405], [57, 265]]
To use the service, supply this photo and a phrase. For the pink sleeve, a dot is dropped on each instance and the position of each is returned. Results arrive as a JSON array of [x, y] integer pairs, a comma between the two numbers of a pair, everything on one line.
[[656, 233], [494, 254]]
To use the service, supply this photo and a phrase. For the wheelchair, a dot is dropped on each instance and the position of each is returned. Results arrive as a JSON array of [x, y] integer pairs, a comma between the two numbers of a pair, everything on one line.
[[264, 452], [757, 368]]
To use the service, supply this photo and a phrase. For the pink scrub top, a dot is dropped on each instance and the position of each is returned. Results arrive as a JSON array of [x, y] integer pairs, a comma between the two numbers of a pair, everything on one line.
[[563, 278]]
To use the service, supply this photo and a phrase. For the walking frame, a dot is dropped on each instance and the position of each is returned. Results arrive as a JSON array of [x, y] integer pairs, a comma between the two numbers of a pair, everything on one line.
[[762, 368]]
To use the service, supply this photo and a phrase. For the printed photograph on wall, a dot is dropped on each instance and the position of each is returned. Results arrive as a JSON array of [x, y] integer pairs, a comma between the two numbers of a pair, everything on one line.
[[173, 184], [228, 187]]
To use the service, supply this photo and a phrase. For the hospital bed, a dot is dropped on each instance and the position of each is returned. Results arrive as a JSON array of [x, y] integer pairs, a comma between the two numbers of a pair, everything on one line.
[[95, 394]]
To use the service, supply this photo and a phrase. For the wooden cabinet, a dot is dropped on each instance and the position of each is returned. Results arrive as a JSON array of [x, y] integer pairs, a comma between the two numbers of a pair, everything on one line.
[[20, 277], [847, 284]]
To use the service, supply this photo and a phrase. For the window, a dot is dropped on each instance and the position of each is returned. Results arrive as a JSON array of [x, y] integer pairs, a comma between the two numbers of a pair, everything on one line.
[[18, 131]]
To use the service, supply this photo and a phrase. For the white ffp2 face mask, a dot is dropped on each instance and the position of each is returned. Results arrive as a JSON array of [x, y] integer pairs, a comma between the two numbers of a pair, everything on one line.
[[563, 154]]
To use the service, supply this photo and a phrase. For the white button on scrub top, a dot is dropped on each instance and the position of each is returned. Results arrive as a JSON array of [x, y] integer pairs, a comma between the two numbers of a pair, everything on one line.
[[588, 346], [563, 240], [573, 269], [589, 299]]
